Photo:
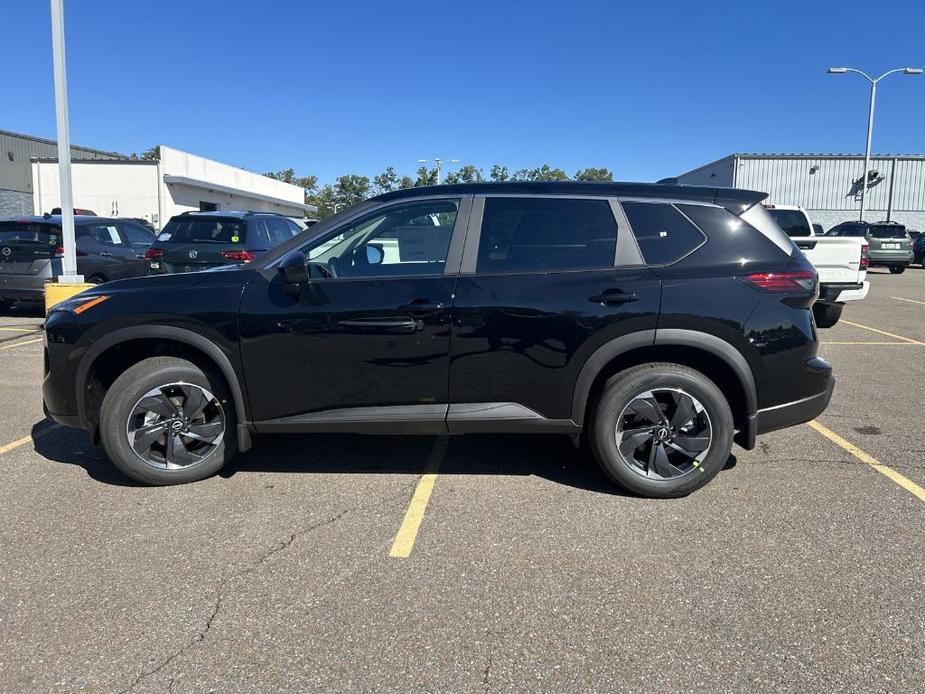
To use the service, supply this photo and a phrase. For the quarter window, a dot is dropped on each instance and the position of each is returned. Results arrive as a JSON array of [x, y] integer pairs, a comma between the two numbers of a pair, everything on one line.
[[546, 234], [664, 234]]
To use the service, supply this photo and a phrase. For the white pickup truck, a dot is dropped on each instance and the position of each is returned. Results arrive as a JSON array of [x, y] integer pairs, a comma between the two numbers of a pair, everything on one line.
[[841, 262]]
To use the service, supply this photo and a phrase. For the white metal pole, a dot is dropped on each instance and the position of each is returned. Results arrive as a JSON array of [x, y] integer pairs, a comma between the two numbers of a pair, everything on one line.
[[437, 162], [870, 133], [64, 144]]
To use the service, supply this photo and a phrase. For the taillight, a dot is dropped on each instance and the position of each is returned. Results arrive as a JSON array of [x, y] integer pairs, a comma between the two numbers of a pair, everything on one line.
[[153, 254], [865, 256], [239, 256], [59, 253], [783, 282]]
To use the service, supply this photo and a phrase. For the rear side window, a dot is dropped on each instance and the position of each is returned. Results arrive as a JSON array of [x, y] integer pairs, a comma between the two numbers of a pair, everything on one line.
[[663, 233], [271, 232], [203, 230], [546, 234], [793, 222]]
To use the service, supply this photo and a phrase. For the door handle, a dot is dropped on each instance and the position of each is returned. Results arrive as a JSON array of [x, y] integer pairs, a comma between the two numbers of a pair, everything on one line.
[[613, 296], [399, 325], [423, 305], [106, 254]]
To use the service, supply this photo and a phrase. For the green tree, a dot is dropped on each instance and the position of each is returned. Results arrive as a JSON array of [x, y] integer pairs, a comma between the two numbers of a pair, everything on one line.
[[323, 199], [465, 174], [499, 173], [350, 189], [307, 183], [406, 182], [387, 181], [594, 174], [426, 177]]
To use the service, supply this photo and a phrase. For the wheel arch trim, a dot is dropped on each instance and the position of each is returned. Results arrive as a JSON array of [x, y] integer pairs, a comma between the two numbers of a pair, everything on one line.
[[169, 333], [615, 348]]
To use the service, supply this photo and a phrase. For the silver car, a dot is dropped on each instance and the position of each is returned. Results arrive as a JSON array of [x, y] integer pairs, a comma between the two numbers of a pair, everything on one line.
[[31, 253]]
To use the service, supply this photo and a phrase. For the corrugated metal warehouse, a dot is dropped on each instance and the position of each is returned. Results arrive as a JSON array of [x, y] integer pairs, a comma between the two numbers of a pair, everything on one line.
[[16, 154], [827, 185]]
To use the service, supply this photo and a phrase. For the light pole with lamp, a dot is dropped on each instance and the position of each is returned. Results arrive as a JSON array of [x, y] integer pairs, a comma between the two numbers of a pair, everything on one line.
[[438, 163], [870, 115]]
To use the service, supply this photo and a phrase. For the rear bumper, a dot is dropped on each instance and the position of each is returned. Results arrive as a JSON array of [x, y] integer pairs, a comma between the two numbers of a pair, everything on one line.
[[832, 293], [28, 288], [791, 413], [882, 258]]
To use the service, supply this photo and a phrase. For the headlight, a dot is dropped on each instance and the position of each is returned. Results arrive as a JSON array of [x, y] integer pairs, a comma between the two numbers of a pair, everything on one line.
[[80, 303]]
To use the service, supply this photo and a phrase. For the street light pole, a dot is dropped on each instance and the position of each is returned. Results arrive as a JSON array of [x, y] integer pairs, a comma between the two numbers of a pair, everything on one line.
[[69, 275], [438, 164], [870, 117]]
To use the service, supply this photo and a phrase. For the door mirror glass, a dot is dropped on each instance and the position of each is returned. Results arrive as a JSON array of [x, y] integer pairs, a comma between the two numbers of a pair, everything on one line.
[[374, 254]]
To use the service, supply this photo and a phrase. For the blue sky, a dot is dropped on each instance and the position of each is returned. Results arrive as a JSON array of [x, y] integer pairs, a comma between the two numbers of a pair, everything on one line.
[[647, 89]]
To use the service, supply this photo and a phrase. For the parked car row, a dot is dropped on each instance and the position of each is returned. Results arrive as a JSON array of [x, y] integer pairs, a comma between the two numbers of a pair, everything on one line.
[[890, 243], [32, 252]]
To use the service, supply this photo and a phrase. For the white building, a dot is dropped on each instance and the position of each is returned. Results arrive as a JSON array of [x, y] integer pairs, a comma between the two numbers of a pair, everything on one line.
[[827, 185], [158, 189]]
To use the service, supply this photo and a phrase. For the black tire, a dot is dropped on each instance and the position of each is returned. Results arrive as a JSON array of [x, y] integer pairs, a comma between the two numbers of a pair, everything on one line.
[[125, 395], [827, 315], [96, 279], [897, 269], [622, 389]]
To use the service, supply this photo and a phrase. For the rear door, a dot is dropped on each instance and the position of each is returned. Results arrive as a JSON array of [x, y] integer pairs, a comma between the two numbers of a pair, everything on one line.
[[102, 252], [27, 247], [544, 282], [138, 240]]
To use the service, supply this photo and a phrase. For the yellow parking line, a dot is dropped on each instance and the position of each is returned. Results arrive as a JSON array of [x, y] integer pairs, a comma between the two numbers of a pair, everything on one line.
[[901, 480], [408, 532], [20, 344], [6, 448], [911, 301], [866, 342], [883, 332]]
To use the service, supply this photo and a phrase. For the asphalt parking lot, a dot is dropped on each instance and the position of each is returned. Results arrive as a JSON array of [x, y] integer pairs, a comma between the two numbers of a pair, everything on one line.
[[481, 563]]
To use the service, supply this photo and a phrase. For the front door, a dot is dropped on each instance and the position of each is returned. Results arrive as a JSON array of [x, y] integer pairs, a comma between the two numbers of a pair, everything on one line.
[[367, 338]]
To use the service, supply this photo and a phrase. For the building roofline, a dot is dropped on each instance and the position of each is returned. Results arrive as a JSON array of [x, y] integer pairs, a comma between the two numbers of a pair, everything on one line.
[[811, 155], [46, 141], [54, 160]]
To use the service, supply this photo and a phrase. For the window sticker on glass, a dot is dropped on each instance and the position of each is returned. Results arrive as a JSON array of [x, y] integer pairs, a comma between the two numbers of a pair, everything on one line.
[[164, 237]]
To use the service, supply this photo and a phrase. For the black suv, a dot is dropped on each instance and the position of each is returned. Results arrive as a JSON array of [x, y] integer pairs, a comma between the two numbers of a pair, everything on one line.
[[662, 321], [195, 241]]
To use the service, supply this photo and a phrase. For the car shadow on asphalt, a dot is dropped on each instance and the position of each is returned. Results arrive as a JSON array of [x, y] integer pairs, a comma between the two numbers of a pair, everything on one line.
[[553, 458]]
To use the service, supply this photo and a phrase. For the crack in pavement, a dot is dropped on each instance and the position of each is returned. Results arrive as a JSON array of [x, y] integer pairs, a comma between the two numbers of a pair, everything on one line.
[[220, 591]]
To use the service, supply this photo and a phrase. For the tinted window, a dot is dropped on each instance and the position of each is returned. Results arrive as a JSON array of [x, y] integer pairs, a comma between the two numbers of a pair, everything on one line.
[[793, 222], [25, 241], [410, 239], [186, 229], [892, 231], [663, 233], [103, 234], [269, 232], [136, 235], [543, 234]]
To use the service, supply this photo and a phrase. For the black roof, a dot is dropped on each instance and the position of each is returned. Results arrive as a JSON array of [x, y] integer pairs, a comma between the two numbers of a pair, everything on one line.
[[56, 219], [239, 214], [643, 190]]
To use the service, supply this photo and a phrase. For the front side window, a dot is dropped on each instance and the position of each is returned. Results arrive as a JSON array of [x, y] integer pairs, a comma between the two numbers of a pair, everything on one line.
[[400, 241], [663, 233], [546, 235], [104, 234]]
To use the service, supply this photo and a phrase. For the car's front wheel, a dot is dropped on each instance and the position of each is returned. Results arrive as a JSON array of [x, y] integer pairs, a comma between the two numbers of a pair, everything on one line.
[[897, 269], [167, 421], [661, 430]]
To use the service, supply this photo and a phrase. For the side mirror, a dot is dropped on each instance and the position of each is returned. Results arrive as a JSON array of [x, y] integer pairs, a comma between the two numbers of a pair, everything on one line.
[[294, 272], [374, 254]]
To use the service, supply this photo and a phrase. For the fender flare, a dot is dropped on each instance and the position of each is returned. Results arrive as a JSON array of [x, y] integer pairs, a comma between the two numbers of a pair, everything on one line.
[[166, 332], [716, 346]]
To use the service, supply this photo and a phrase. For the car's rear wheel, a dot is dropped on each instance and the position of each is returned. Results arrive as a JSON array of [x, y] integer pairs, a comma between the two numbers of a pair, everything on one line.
[[167, 421], [827, 315], [661, 430], [897, 269], [96, 279]]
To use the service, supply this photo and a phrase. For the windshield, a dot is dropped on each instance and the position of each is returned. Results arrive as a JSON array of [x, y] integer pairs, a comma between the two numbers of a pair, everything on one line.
[[192, 230], [793, 222], [893, 231]]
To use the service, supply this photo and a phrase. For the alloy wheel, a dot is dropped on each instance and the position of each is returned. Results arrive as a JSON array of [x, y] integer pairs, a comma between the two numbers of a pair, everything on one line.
[[175, 426], [664, 433]]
